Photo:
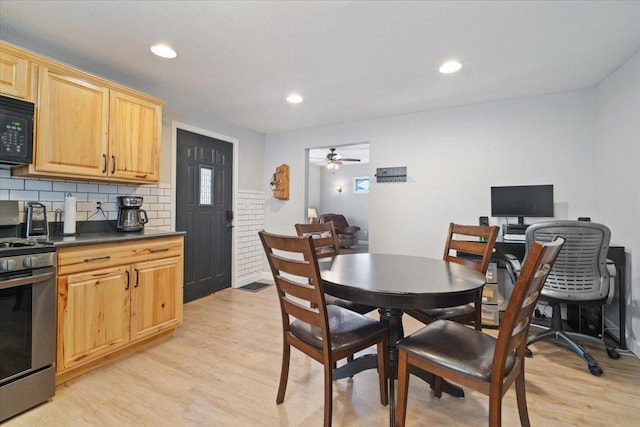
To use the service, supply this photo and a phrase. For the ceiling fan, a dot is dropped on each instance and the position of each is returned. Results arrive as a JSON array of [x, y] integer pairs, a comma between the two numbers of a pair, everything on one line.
[[334, 160]]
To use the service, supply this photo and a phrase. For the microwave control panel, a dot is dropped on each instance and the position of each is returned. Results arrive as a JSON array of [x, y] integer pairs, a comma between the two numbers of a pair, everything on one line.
[[14, 132]]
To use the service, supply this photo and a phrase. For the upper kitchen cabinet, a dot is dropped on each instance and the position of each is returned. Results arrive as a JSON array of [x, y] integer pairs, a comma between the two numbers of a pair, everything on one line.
[[88, 128], [71, 127], [134, 137], [16, 79]]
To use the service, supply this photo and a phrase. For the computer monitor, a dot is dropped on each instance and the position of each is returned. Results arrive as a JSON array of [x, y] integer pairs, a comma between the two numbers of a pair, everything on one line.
[[522, 200]]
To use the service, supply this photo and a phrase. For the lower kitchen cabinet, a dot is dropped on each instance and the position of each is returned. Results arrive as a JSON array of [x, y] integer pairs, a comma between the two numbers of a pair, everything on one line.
[[115, 303], [95, 312]]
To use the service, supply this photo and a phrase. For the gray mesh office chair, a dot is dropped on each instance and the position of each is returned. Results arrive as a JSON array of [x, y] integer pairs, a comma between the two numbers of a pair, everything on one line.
[[579, 276]]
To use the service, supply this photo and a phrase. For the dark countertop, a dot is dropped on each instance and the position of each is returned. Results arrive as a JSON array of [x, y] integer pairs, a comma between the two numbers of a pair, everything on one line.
[[109, 237]]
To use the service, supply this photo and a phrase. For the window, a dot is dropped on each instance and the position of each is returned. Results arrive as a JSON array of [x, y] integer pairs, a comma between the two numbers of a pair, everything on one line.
[[361, 185], [206, 186]]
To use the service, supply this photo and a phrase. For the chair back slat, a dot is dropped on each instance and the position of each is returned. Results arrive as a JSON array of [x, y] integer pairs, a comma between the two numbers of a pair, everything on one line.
[[459, 240], [301, 312], [325, 238], [296, 289], [297, 278], [515, 327], [580, 272]]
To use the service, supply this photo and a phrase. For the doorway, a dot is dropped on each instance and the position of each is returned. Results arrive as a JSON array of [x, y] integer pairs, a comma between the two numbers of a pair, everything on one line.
[[203, 206], [334, 179]]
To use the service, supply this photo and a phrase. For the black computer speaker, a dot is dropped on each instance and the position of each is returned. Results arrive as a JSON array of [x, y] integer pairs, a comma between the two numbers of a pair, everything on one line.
[[484, 220]]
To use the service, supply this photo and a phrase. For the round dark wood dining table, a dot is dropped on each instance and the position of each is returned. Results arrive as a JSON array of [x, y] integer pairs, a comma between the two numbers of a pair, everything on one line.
[[394, 283]]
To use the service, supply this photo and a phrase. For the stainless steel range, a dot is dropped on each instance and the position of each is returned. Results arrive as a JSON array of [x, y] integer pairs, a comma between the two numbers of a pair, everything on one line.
[[27, 324]]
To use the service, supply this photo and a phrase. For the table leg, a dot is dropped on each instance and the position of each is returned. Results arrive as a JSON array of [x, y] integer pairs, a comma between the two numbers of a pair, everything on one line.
[[392, 319]]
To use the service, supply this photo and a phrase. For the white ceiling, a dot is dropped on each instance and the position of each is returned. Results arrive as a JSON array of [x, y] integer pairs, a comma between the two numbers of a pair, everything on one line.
[[350, 60]]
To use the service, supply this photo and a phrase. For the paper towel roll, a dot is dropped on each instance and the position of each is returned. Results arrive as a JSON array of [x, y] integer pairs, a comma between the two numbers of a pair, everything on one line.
[[69, 215]]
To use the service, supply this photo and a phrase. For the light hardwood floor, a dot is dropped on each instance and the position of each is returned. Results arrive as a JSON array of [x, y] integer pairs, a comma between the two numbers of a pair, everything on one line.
[[222, 369]]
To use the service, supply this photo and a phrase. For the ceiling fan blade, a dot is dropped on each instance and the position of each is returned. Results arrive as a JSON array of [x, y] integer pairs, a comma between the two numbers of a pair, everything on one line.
[[349, 160]]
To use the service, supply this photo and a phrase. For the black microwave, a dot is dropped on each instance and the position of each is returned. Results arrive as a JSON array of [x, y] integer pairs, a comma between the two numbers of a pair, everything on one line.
[[16, 132]]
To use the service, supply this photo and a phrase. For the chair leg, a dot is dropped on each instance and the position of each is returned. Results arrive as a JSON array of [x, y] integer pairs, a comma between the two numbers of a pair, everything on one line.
[[541, 336], [577, 348], [403, 389], [437, 386], [284, 373], [382, 373], [495, 409], [328, 394], [477, 321], [522, 400]]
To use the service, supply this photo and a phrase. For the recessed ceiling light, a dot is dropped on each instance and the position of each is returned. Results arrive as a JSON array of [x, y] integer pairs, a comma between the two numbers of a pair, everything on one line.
[[450, 67], [163, 51], [294, 98]]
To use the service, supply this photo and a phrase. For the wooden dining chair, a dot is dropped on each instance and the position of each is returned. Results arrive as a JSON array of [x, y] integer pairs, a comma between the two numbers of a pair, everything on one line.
[[325, 242], [474, 359], [458, 240], [326, 333]]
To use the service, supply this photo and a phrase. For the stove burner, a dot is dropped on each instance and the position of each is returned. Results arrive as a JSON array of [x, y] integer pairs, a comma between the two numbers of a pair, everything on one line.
[[19, 246], [16, 244]]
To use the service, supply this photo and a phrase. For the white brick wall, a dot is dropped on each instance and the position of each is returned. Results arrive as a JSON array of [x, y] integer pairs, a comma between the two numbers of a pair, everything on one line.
[[51, 193], [249, 220]]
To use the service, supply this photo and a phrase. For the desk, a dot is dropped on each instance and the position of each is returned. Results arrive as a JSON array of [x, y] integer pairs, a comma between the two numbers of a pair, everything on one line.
[[615, 254], [397, 282]]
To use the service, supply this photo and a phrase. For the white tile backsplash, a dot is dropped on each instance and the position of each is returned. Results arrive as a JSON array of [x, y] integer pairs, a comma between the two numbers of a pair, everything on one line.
[[51, 193]]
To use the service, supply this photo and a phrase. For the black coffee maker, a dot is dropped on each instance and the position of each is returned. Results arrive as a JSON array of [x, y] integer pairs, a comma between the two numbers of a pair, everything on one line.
[[130, 216]]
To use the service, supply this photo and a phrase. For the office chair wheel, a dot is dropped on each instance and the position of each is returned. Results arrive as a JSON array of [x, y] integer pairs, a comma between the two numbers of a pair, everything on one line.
[[613, 354], [595, 370], [528, 352]]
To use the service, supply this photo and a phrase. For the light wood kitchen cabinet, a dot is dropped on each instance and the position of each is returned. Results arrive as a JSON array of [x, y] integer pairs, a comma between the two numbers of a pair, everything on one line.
[[153, 298], [71, 126], [89, 128], [16, 79], [95, 319], [134, 138], [115, 298]]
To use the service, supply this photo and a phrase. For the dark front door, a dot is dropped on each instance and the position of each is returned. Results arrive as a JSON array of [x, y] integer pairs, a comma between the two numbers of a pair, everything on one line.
[[203, 210]]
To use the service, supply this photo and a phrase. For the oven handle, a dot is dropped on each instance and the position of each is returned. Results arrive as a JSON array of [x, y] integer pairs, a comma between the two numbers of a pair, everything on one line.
[[29, 280]]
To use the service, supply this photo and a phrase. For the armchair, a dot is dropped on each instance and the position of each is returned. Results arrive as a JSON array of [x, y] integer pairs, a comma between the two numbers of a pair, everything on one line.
[[347, 234]]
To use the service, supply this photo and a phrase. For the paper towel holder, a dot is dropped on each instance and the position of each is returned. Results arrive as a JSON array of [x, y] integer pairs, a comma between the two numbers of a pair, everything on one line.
[[69, 216]]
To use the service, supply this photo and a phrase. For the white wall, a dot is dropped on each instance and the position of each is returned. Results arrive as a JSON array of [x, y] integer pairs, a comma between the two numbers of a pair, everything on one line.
[[315, 172], [617, 174], [586, 143], [453, 157], [354, 207]]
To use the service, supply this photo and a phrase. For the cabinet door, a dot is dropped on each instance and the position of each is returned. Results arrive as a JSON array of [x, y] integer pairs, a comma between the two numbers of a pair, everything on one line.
[[72, 126], [15, 76], [156, 296], [94, 313], [134, 138]]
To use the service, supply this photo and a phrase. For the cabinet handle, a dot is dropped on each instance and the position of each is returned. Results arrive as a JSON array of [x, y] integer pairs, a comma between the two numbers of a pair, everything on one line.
[[104, 163], [155, 251], [113, 164], [126, 288], [97, 259], [137, 278]]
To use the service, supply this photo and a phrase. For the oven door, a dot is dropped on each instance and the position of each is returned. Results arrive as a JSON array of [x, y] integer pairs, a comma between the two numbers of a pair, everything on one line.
[[27, 323]]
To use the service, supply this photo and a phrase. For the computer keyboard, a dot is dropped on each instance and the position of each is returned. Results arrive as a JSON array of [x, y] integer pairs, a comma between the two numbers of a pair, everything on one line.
[[516, 237]]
